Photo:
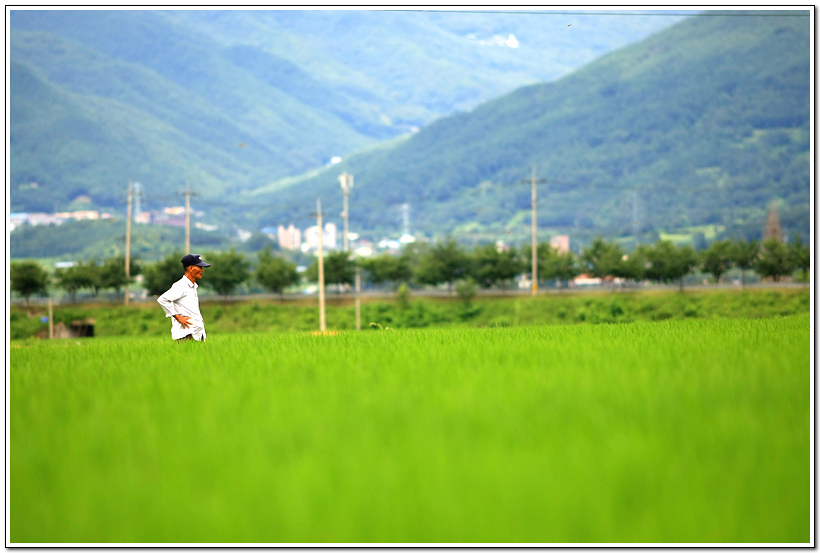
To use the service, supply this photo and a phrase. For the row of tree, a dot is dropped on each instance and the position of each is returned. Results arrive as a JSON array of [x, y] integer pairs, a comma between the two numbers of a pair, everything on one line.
[[445, 262], [489, 266]]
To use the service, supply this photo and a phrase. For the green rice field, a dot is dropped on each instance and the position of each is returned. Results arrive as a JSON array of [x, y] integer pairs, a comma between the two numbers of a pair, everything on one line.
[[676, 431]]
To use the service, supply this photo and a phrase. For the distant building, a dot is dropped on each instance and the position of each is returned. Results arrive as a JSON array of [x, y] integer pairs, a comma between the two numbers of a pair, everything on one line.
[[64, 264], [392, 246], [176, 210], [44, 219], [78, 215], [311, 237], [289, 238], [144, 218], [81, 215], [364, 248], [169, 220], [560, 243], [17, 219], [585, 280], [207, 228], [330, 236]]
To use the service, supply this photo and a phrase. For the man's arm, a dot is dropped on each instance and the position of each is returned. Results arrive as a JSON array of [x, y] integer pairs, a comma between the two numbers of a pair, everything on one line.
[[167, 302]]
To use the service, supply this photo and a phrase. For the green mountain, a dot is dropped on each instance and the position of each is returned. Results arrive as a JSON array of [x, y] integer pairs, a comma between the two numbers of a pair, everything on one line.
[[231, 100], [704, 123]]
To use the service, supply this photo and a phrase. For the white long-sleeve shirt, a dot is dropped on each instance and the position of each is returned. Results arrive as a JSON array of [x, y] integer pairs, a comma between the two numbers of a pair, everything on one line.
[[182, 299]]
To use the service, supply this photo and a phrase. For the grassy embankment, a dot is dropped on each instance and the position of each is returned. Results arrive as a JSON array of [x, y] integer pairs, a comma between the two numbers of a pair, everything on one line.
[[147, 319], [674, 431]]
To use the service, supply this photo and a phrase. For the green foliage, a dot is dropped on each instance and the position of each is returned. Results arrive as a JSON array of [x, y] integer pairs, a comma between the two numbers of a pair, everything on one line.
[[403, 296], [338, 266], [668, 263], [743, 254], [146, 319], [160, 276], [490, 266], [111, 274], [717, 258], [422, 436], [275, 273], [633, 267], [28, 278], [445, 262], [800, 256], [602, 258], [551, 264], [466, 291], [387, 268], [259, 242], [227, 271], [72, 279], [101, 239], [563, 267], [774, 260]]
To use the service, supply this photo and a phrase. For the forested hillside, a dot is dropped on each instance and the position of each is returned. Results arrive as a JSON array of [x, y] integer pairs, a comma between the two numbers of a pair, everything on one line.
[[231, 100], [704, 123]]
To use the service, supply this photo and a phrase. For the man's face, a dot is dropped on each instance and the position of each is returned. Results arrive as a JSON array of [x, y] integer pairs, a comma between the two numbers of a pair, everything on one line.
[[196, 272]]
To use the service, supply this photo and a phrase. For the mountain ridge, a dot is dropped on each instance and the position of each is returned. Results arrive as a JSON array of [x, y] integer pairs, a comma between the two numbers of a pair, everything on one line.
[[715, 129], [235, 99]]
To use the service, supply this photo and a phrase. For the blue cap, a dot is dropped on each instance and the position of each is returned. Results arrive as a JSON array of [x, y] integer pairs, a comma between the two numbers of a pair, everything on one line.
[[193, 259]]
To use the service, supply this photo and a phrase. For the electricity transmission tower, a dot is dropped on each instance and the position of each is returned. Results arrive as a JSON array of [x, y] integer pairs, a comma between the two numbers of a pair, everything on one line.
[[405, 218], [137, 200]]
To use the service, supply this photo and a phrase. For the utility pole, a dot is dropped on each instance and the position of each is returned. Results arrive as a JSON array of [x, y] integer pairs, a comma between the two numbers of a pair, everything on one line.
[[346, 180], [128, 242], [318, 215], [358, 298], [534, 181], [50, 320]]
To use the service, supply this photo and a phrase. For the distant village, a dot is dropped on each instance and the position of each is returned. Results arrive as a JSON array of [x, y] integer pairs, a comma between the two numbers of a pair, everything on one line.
[[288, 238]]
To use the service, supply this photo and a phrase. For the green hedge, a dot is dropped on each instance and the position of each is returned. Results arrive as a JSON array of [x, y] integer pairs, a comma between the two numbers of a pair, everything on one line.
[[274, 316]]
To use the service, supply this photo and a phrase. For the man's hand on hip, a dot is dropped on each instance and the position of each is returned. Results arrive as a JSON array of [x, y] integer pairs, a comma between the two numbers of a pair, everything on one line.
[[183, 320]]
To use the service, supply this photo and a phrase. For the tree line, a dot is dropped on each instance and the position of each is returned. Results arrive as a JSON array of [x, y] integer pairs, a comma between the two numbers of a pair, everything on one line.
[[424, 264]]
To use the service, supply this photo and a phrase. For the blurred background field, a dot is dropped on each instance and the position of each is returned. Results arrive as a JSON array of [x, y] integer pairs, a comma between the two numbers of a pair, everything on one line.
[[687, 430], [269, 315]]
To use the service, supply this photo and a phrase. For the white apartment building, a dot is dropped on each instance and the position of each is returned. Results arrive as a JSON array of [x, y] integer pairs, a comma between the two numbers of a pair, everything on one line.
[[312, 237], [560, 243], [289, 238]]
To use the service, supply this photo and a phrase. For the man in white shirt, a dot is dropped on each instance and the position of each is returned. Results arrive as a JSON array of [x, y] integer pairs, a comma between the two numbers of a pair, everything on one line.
[[181, 302]]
